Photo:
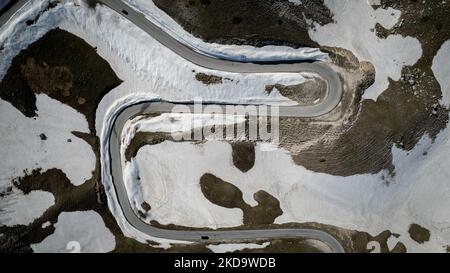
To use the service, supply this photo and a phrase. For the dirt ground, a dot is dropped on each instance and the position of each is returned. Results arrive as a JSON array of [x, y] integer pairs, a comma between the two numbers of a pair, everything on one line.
[[419, 233], [310, 92], [243, 155]]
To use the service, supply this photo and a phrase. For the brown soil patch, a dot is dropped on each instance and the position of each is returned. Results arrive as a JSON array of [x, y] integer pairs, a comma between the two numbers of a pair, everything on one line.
[[142, 139], [399, 117], [305, 93], [418, 233], [243, 155], [227, 195], [208, 79]]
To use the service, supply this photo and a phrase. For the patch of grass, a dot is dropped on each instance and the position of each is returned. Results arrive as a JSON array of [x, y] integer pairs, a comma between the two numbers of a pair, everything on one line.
[[304, 93], [418, 233], [360, 241], [267, 210], [221, 193], [227, 195], [208, 79], [54, 80], [243, 155]]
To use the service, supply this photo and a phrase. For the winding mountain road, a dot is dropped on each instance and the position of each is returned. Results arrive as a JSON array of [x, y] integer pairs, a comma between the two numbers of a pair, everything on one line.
[[334, 90], [331, 100]]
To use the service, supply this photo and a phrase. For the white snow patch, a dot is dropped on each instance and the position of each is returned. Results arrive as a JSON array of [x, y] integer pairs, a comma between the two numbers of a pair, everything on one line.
[[159, 185], [17, 208], [223, 248], [46, 224], [83, 228], [441, 69], [296, 2], [392, 241], [21, 147], [321, 246], [354, 30]]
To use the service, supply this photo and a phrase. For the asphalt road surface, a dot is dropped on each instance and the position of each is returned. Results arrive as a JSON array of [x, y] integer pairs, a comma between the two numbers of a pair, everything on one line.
[[332, 99]]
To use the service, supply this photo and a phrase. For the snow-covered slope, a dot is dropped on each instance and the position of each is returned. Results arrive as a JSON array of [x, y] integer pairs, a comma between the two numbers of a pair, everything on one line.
[[222, 248], [21, 146], [80, 231], [441, 69], [17, 208], [419, 192], [22, 150]]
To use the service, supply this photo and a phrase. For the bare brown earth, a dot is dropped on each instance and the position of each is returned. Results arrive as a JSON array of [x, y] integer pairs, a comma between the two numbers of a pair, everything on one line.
[[309, 140], [418, 233], [243, 155], [251, 22], [144, 138], [227, 195], [306, 93]]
